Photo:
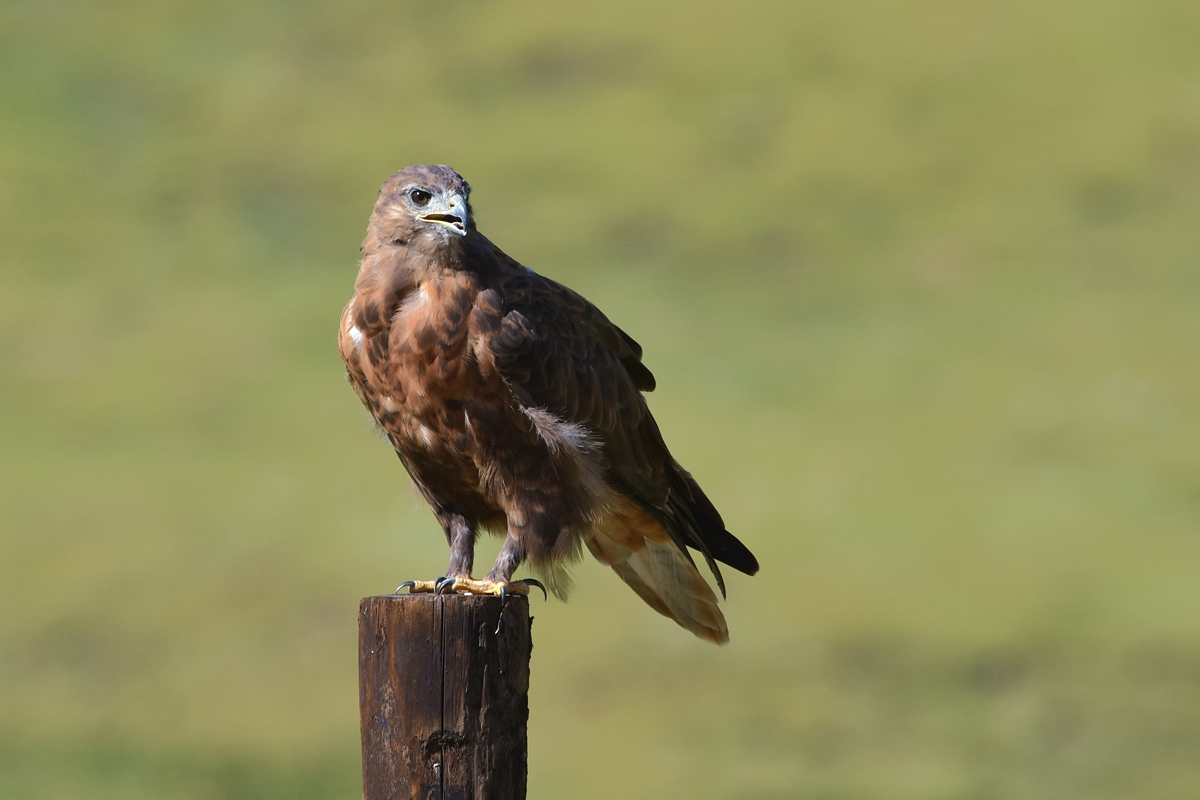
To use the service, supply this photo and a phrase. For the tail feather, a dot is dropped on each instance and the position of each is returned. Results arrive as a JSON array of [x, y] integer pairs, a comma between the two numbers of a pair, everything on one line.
[[672, 586], [644, 555], [693, 521]]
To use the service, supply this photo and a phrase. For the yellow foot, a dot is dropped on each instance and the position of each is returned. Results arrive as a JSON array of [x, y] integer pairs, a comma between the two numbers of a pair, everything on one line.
[[471, 586], [419, 586]]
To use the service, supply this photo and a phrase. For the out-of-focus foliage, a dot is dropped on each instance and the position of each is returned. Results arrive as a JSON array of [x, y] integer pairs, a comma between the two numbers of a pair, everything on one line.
[[920, 284]]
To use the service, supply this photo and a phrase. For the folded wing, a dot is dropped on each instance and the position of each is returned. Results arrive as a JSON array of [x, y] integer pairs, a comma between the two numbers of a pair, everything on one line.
[[560, 353]]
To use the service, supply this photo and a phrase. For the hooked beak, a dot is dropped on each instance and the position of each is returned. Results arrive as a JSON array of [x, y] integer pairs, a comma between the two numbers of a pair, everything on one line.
[[451, 212]]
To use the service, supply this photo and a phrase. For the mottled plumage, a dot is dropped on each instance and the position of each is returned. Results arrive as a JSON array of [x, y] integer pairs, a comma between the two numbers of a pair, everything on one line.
[[516, 407]]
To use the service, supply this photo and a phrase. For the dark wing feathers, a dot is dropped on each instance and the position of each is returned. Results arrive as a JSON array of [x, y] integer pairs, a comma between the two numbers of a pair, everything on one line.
[[560, 352], [722, 545]]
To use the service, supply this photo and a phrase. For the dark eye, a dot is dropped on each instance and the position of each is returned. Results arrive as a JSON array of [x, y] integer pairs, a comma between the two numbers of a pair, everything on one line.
[[420, 196]]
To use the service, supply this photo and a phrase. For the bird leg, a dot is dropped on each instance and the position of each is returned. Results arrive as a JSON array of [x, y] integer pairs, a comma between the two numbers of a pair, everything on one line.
[[460, 535], [499, 580]]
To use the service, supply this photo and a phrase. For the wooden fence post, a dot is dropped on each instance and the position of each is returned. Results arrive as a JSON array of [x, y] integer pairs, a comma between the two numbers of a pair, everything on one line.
[[444, 696]]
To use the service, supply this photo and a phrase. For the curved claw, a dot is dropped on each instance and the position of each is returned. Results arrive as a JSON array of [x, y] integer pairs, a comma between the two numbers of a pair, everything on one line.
[[444, 584], [538, 584], [405, 585]]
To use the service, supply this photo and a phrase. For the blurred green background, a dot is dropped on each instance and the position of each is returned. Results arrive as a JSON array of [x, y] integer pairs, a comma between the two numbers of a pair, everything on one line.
[[919, 282]]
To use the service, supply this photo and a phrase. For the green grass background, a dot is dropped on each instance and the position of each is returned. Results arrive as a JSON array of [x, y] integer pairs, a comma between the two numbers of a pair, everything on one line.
[[920, 284]]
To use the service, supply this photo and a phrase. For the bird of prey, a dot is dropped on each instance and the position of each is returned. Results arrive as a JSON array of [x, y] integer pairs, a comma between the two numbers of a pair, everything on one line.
[[516, 407]]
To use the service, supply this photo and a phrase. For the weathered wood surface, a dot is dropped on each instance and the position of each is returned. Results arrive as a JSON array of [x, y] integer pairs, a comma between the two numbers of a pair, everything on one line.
[[444, 696]]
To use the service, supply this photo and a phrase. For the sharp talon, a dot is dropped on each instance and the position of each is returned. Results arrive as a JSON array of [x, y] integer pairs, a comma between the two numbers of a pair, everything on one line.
[[444, 585], [538, 584], [405, 585], [503, 593]]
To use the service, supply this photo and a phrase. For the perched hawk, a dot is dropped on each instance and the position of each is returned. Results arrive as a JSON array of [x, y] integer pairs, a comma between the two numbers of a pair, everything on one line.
[[516, 407]]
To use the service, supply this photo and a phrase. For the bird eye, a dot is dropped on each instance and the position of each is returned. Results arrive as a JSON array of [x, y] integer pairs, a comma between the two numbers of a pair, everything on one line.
[[420, 196]]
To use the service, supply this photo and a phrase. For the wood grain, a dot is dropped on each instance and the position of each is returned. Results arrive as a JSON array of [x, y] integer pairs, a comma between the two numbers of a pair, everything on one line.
[[444, 697]]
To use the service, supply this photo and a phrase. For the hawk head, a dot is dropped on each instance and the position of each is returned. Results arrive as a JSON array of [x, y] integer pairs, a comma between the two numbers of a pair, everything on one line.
[[423, 202]]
